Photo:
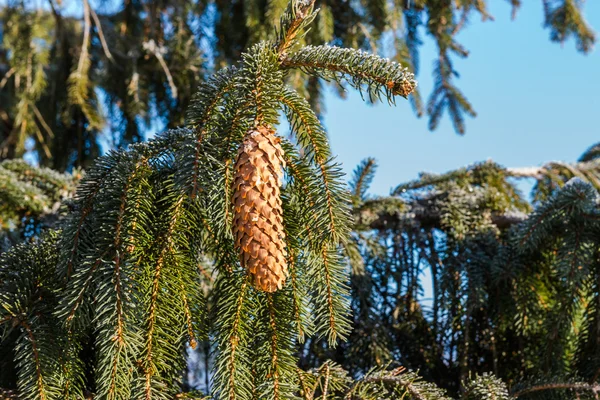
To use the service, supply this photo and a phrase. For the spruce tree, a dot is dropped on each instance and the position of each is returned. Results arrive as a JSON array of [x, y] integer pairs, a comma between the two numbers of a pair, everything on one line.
[[514, 284], [194, 243], [129, 262]]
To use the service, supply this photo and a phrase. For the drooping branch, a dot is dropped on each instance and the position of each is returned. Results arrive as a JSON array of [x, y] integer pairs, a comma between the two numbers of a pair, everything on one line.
[[79, 82], [199, 114], [585, 170], [312, 136], [420, 213], [539, 172], [579, 386], [380, 75]]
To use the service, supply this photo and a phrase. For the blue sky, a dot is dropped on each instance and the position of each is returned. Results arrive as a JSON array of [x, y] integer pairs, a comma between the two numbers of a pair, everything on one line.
[[536, 100]]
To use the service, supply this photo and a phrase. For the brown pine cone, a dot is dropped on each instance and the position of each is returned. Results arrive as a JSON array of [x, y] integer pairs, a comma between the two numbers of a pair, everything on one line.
[[258, 216]]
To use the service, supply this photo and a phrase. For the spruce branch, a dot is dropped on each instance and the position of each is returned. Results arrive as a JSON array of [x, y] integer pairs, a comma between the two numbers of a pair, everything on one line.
[[305, 125], [330, 299], [57, 186], [591, 154], [301, 307], [28, 293], [380, 76], [485, 386], [390, 213], [446, 96], [325, 269], [576, 386], [41, 386], [30, 199], [398, 382], [362, 178], [232, 373], [173, 307], [557, 172], [78, 230], [575, 198], [297, 16], [21, 196], [262, 81], [329, 381], [276, 362], [199, 114], [89, 188], [564, 18], [117, 341], [158, 287]]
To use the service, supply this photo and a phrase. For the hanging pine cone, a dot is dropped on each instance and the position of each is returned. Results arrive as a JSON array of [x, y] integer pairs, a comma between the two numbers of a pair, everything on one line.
[[258, 216]]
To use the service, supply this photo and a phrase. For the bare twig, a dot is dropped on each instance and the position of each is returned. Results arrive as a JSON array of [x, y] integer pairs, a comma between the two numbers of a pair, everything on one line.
[[539, 172], [101, 36], [42, 141], [326, 382], [6, 77], [87, 24], [39, 116], [157, 52]]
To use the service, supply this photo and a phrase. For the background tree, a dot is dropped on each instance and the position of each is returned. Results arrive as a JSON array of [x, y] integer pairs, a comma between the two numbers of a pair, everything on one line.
[[71, 70], [513, 292], [124, 275], [30, 203], [30, 200]]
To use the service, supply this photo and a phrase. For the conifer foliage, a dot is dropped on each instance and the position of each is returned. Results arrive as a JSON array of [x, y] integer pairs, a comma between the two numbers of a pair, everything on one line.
[[71, 70], [229, 237], [199, 206], [514, 285], [30, 199]]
